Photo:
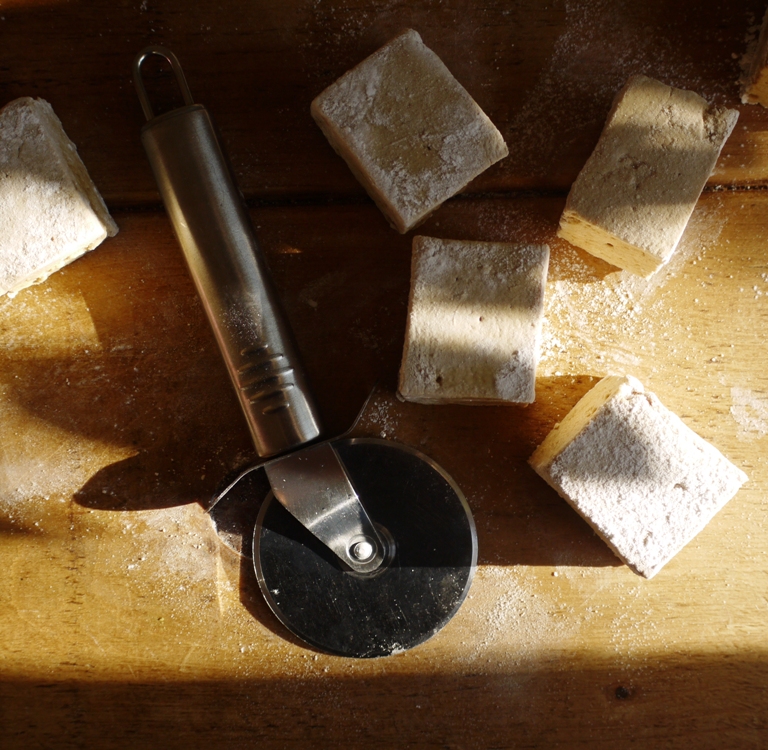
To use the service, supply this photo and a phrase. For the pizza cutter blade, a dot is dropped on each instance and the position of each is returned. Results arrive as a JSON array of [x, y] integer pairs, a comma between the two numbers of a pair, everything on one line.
[[426, 575], [362, 548]]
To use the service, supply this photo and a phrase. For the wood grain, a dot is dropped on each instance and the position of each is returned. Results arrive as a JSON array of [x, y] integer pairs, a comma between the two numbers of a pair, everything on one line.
[[125, 623], [118, 422], [544, 73]]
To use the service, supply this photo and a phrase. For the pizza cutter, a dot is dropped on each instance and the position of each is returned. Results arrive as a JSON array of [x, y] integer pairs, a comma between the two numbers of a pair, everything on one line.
[[361, 547]]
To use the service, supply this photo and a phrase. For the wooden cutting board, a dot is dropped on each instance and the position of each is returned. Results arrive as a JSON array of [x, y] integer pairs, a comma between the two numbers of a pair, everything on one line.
[[124, 622]]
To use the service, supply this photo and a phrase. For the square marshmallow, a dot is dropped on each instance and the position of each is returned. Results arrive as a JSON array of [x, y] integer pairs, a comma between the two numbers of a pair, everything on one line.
[[638, 475], [474, 322], [632, 200], [408, 130], [50, 211]]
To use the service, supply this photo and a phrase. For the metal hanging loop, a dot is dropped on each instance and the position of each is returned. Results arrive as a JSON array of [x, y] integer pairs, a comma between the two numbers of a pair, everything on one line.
[[173, 61]]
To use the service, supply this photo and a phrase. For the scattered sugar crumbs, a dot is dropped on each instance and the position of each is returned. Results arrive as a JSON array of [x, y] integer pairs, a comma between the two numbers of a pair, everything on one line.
[[173, 556], [179, 540], [617, 323], [514, 618], [573, 93], [380, 416], [750, 410]]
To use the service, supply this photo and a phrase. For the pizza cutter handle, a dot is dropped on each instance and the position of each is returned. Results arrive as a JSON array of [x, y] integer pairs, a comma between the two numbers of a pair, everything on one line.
[[214, 230]]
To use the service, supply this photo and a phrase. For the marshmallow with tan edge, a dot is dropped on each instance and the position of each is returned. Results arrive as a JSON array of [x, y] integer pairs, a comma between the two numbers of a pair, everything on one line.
[[644, 481], [632, 200], [50, 210]]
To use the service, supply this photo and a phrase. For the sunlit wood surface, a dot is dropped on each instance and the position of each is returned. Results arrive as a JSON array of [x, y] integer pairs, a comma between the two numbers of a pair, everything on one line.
[[123, 621]]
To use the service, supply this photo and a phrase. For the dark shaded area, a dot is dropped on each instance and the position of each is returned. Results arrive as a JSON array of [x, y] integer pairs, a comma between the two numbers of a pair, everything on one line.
[[258, 66], [236, 508], [707, 701]]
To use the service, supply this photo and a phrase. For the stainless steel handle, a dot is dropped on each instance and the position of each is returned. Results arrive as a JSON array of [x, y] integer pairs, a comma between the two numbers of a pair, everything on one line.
[[215, 233], [228, 269]]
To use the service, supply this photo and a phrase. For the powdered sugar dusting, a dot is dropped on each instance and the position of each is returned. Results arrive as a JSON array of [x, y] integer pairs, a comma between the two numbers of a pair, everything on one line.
[[46, 463], [516, 615], [408, 130], [603, 44], [599, 325], [179, 540], [748, 60], [750, 410], [380, 416]]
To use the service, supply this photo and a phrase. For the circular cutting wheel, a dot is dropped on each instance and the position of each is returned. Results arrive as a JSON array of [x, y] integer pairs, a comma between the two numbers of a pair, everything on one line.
[[427, 571]]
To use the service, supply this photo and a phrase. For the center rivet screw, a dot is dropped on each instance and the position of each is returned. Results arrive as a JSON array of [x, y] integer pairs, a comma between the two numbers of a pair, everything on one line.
[[362, 551]]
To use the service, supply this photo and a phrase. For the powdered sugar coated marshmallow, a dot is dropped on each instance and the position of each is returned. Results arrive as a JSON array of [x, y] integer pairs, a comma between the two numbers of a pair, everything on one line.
[[50, 210], [408, 130], [632, 200], [638, 475], [474, 322]]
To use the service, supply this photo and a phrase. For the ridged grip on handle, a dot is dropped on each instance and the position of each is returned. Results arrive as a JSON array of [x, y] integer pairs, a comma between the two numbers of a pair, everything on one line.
[[215, 233]]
